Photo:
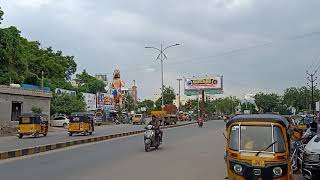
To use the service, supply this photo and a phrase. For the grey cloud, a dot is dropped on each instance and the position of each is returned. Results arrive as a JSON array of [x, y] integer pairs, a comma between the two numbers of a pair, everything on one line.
[[108, 34]]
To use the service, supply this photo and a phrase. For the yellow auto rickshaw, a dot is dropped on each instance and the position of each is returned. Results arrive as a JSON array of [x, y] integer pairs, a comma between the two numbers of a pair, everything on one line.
[[80, 124], [138, 119], [298, 126], [258, 148], [32, 124]]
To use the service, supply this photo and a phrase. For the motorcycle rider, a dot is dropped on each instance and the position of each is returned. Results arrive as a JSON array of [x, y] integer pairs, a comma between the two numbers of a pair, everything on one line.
[[156, 124]]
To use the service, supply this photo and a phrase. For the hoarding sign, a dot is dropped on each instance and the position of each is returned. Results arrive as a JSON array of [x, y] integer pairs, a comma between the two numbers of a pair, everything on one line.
[[90, 100], [209, 84], [60, 92], [204, 83]]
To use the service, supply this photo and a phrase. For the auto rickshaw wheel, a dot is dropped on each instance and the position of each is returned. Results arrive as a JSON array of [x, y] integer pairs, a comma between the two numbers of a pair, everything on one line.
[[36, 135], [45, 134], [90, 133], [20, 136], [85, 133], [70, 134]]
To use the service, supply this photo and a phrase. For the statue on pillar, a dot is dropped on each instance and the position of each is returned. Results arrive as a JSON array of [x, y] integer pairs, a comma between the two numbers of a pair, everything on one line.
[[117, 85]]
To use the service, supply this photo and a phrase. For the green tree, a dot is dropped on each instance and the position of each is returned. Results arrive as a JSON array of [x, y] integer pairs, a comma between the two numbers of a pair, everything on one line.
[[66, 104], [267, 102], [249, 106], [149, 104], [168, 97], [226, 105], [37, 110], [89, 84]]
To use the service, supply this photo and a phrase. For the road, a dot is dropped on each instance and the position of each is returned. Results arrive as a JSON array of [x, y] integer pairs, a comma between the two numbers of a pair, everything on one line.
[[12, 142], [188, 153]]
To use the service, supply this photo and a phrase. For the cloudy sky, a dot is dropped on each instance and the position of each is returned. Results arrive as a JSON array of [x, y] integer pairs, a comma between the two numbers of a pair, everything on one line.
[[257, 45]]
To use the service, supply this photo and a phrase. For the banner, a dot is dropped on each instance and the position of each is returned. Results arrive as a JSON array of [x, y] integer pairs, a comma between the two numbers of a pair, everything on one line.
[[209, 84]]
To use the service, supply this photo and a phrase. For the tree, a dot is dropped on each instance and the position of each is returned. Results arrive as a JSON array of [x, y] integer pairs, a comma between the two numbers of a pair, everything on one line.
[[66, 104], [168, 97], [89, 84], [36, 110], [149, 104], [226, 105], [128, 102], [267, 102], [1, 14], [249, 106]]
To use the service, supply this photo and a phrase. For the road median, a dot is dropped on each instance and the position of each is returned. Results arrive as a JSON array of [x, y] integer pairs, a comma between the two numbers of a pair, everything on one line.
[[60, 145]]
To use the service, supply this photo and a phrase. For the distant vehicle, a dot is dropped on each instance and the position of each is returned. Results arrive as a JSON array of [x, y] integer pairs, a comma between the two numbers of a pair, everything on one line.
[[60, 121], [138, 119]]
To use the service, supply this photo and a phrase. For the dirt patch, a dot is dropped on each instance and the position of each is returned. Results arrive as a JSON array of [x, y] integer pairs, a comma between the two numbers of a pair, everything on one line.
[[8, 130]]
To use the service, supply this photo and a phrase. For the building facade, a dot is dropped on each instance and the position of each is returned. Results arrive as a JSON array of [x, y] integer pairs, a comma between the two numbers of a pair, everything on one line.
[[15, 101]]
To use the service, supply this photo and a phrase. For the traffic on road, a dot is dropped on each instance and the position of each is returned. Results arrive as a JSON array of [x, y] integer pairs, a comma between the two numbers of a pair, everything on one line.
[[181, 90]]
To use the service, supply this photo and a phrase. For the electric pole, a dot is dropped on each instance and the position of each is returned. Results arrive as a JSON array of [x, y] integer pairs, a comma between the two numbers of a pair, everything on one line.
[[179, 80], [312, 79]]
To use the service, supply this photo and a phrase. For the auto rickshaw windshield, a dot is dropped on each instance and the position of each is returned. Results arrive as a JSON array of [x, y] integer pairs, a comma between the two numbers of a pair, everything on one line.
[[256, 138]]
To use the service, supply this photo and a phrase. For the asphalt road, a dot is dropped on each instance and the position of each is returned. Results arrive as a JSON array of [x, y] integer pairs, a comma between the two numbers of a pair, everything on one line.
[[188, 153], [13, 142]]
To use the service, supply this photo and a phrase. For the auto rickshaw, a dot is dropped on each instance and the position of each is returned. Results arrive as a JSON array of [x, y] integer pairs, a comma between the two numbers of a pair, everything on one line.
[[32, 124], [298, 126], [138, 119], [258, 148], [80, 124]]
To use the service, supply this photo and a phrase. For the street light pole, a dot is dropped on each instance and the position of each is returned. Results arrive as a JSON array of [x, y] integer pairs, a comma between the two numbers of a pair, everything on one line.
[[162, 56], [179, 103]]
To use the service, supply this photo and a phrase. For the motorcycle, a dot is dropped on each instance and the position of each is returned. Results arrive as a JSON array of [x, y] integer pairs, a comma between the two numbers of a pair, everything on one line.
[[297, 155], [200, 122], [150, 138]]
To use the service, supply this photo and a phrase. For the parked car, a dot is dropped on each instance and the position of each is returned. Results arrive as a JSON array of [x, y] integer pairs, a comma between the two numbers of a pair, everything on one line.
[[311, 159], [60, 122]]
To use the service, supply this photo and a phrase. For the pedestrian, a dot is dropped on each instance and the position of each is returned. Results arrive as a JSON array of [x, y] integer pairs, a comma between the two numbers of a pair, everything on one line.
[[318, 117]]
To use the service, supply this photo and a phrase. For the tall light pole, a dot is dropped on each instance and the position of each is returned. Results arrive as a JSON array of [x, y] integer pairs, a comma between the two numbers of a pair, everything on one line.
[[179, 80], [161, 57]]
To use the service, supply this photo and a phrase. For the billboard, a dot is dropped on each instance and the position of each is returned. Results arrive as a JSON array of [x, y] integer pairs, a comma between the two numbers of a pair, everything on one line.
[[60, 91], [210, 84], [102, 77], [90, 100]]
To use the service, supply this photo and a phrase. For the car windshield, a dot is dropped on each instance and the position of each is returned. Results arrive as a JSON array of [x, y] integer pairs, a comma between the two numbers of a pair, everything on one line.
[[256, 138]]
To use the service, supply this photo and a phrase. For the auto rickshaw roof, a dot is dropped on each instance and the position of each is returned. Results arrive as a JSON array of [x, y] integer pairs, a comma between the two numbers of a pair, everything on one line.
[[259, 118], [32, 115]]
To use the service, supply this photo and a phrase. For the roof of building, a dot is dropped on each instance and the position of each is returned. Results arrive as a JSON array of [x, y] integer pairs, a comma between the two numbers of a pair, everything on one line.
[[24, 92]]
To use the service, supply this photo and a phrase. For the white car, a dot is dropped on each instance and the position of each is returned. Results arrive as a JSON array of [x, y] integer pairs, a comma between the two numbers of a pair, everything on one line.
[[311, 159], [60, 122]]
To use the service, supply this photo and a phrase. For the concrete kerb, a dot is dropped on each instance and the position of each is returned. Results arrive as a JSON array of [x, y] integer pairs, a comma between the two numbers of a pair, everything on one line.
[[50, 147]]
